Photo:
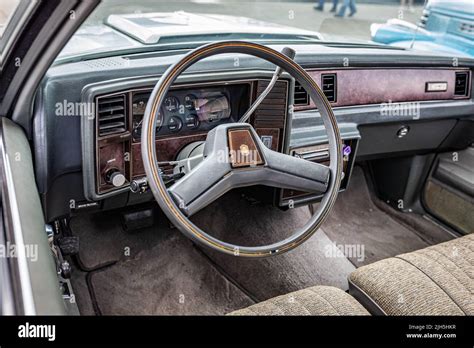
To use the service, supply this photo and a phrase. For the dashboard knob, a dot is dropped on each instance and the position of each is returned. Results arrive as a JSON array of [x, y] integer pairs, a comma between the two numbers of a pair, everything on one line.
[[114, 177]]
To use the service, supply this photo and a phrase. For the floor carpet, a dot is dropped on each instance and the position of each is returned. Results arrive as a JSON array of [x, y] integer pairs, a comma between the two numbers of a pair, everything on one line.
[[235, 220], [357, 222], [171, 278], [159, 271]]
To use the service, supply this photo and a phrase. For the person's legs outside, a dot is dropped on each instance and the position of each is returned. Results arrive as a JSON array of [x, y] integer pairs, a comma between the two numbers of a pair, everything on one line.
[[342, 9], [352, 7], [403, 5], [319, 6]]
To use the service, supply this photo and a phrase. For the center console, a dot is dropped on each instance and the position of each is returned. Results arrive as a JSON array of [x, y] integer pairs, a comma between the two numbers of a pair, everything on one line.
[[319, 153]]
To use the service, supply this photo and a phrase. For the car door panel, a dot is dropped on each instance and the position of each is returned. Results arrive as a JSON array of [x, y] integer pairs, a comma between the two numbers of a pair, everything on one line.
[[449, 191], [34, 276]]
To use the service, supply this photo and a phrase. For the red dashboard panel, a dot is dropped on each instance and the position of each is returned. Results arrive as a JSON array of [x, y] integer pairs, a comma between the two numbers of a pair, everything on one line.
[[374, 86]]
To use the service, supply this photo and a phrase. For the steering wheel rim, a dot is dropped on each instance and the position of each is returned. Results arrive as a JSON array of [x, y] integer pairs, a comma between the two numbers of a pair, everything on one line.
[[160, 191]]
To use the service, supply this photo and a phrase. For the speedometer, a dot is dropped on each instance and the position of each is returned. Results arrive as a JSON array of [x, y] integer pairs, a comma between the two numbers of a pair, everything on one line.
[[213, 107]]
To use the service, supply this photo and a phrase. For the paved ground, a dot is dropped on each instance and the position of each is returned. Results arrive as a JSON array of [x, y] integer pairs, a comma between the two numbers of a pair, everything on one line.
[[292, 13], [296, 14]]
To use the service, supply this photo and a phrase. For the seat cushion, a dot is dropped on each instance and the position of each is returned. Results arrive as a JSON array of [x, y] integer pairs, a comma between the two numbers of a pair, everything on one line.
[[317, 300], [438, 280]]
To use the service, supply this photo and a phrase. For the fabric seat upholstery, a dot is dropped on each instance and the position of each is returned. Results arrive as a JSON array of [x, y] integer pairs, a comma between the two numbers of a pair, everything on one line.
[[317, 300], [438, 280]]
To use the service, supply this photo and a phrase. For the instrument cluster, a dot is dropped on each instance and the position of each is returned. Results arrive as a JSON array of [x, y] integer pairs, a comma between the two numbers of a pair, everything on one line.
[[189, 111]]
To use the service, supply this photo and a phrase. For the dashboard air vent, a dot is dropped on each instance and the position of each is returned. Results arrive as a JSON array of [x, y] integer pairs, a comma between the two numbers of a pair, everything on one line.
[[271, 113], [461, 84], [328, 83], [301, 98], [111, 115]]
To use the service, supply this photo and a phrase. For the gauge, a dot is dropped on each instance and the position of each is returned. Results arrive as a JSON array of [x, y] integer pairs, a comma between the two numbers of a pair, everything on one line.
[[192, 121], [171, 103], [175, 124], [213, 107], [137, 128], [139, 101], [138, 123], [190, 101]]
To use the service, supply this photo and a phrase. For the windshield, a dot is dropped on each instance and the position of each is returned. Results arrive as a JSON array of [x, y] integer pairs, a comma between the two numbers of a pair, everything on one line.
[[120, 25], [7, 9]]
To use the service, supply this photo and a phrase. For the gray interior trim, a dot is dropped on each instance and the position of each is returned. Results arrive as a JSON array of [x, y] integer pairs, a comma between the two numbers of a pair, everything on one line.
[[371, 114], [24, 302], [50, 42], [457, 174], [20, 15], [315, 135], [7, 301], [37, 278]]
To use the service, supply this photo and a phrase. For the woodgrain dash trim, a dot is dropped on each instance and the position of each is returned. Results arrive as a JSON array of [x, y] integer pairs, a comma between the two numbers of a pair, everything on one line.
[[375, 86]]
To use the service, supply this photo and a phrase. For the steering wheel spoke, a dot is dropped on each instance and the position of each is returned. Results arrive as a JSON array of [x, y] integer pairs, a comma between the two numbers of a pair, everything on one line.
[[194, 185], [290, 172]]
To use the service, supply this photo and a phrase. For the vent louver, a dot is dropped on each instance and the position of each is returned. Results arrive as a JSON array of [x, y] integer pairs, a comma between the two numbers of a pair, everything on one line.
[[271, 113], [111, 115], [461, 84], [328, 84], [301, 98]]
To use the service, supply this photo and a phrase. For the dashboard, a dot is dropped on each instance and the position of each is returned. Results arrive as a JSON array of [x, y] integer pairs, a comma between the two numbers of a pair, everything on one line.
[[188, 113], [92, 157]]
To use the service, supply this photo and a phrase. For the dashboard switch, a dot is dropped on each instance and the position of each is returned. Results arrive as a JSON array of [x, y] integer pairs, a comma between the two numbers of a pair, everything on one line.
[[139, 185], [114, 177], [347, 150]]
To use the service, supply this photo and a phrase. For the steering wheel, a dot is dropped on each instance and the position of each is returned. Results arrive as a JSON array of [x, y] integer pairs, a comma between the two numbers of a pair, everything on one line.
[[234, 156]]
